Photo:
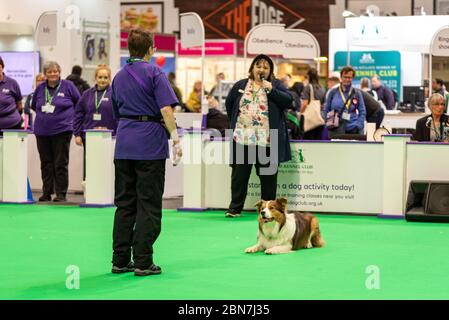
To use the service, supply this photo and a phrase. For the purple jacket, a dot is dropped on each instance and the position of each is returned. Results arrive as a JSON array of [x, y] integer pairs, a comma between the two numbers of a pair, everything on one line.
[[85, 110], [64, 99], [9, 96]]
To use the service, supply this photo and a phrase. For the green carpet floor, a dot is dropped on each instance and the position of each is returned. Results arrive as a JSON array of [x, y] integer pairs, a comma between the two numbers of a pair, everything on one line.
[[202, 257]]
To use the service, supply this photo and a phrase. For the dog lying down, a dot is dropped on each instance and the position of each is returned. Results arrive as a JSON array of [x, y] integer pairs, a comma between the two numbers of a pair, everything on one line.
[[282, 232]]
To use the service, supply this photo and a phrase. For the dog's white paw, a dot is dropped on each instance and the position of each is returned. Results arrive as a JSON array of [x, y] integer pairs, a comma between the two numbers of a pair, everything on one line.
[[309, 245], [271, 251], [252, 249]]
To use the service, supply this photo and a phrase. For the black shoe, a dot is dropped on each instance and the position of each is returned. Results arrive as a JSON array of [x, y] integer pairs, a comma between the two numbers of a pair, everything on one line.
[[60, 198], [45, 197], [232, 214], [153, 269], [129, 268]]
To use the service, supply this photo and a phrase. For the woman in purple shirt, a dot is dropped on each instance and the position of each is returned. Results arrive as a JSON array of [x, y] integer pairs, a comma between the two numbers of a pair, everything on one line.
[[10, 101], [94, 109], [54, 103]]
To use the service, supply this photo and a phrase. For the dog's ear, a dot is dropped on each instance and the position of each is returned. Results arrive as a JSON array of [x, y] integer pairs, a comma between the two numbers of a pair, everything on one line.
[[282, 201], [258, 204]]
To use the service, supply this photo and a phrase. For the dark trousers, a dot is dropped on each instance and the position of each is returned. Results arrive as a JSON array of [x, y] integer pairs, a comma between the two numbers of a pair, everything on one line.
[[240, 177], [54, 156], [139, 186]]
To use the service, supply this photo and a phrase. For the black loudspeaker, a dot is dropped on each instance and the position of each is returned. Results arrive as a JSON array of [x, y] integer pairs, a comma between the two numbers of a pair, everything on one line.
[[428, 201]]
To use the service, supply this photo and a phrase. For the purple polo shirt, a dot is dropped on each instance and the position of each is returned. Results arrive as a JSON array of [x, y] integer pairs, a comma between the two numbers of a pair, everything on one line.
[[64, 100], [137, 140], [86, 107], [9, 96]]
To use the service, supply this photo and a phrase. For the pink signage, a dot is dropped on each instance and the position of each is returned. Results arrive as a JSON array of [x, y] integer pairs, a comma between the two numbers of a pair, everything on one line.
[[163, 42], [211, 48]]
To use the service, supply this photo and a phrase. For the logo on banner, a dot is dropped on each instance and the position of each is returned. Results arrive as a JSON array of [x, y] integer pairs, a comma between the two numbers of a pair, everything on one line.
[[297, 156], [367, 58], [237, 17]]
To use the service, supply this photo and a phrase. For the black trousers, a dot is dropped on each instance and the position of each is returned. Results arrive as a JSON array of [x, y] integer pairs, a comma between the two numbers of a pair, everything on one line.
[[242, 172], [54, 156], [139, 186]]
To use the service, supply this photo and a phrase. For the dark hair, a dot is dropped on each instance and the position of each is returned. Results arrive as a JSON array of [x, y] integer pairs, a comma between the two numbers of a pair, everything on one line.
[[139, 42], [171, 76], [348, 69], [297, 87], [439, 81], [77, 70], [312, 74], [256, 60], [2, 63]]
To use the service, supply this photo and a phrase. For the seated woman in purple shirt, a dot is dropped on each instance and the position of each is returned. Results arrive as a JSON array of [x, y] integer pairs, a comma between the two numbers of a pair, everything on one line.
[[94, 109], [54, 103], [10, 101]]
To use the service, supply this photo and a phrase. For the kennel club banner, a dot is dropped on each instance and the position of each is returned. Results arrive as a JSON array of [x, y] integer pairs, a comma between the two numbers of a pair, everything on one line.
[[312, 180]]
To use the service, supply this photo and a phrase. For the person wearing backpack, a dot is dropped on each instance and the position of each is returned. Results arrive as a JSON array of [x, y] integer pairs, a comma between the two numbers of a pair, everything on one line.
[[344, 108]]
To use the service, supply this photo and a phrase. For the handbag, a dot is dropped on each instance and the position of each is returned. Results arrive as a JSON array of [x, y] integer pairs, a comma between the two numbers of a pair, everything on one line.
[[333, 116], [312, 114], [332, 119]]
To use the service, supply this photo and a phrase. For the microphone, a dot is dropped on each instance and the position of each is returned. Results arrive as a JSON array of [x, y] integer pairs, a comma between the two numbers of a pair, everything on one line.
[[262, 77]]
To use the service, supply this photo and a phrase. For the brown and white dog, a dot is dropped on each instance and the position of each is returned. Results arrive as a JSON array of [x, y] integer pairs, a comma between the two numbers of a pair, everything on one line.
[[282, 232]]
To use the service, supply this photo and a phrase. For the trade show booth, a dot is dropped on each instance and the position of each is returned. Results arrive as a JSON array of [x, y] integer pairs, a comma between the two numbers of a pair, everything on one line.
[[323, 176]]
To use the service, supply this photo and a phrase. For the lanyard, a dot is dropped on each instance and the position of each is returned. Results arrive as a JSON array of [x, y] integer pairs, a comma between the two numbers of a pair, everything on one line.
[[130, 60], [98, 102], [48, 96], [345, 101]]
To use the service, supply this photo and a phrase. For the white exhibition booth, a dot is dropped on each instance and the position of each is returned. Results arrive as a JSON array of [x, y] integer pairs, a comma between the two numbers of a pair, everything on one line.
[[336, 176], [410, 35]]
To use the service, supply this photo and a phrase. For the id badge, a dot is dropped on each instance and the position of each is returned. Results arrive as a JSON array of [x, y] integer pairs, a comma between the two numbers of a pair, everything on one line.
[[97, 116], [346, 116], [48, 108]]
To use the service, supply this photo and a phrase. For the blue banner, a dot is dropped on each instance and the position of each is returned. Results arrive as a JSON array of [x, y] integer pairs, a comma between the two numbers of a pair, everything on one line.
[[386, 64]]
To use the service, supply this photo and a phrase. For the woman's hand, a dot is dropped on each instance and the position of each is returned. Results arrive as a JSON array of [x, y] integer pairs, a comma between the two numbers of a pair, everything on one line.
[[267, 85], [79, 141]]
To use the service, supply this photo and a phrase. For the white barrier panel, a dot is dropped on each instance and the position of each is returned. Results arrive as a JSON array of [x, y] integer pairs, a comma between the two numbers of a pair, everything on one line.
[[323, 177], [394, 172], [99, 169], [335, 176], [427, 161], [194, 171], [15, 166]]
